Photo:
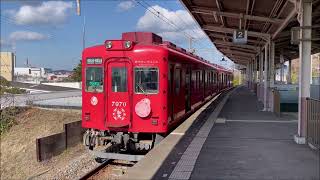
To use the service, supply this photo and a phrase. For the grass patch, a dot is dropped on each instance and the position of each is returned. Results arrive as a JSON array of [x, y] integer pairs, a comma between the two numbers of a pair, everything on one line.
[[8, 117], [11, 90]]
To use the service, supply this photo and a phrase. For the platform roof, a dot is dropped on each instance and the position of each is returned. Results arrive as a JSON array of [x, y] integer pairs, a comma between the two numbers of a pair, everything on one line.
[[263, 20]]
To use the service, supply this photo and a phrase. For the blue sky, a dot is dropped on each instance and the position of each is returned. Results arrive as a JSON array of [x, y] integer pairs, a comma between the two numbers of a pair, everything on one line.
[[49, 33]]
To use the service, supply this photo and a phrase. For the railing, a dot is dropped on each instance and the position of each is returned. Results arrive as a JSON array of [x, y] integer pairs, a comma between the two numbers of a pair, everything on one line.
[[313, 122]]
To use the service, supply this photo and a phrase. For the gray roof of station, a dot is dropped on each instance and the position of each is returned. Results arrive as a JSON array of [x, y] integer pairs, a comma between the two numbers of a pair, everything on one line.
[[263, 19]]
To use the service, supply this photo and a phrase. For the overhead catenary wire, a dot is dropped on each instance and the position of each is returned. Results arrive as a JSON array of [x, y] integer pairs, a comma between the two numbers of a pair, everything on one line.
[[183, 21], [162, 17], [11, 21]]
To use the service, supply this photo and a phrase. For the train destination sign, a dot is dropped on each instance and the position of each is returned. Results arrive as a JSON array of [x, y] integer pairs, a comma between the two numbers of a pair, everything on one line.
[[94, 61]]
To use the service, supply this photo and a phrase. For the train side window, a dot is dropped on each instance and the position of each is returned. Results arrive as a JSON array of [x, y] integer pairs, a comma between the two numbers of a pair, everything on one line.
[[119, 79], [198, 80], [213, 78], [94, 79], [194, 80], [177, 80], [146, 80], [216, 78]]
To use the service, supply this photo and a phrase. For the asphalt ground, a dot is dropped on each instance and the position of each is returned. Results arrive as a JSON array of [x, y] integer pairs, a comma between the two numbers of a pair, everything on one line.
[[248, 144], [252, 144]]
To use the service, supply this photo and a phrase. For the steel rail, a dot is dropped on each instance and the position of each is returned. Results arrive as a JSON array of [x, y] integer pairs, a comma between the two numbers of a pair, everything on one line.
[[95, 170]]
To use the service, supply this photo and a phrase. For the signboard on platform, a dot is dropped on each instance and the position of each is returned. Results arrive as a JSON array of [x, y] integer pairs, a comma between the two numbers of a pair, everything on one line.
[[240, 36]]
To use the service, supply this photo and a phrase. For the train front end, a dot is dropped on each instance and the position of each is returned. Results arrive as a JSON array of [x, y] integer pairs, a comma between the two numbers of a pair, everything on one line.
[[124, 94]]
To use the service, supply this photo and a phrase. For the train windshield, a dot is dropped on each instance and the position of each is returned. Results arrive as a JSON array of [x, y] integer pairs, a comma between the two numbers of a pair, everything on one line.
[[146, 80], [94, 79]]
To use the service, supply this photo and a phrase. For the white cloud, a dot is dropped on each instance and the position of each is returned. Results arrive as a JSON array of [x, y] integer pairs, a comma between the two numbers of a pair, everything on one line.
[[125, 5], [26, 36], [50, 12], [7, 45], [184, 24]]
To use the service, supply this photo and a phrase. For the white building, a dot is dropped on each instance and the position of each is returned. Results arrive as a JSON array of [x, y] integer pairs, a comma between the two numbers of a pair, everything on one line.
[[31, 72]]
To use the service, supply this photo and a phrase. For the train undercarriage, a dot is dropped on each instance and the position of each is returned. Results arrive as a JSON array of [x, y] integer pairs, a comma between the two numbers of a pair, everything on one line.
[[120, 145]]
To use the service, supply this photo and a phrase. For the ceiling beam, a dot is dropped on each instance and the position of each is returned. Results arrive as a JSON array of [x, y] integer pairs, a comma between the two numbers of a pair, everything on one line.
[[231, 30], [220, 9], [237, 15], [292, 14], [250, 54], [236, 45], [238, 60], [235, 53], [230, 37], [238, 56], [239, 49]]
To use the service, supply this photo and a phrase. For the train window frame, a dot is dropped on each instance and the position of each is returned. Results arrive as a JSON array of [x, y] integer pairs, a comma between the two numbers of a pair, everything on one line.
[[134, 79], [102, 80], [122, 88]]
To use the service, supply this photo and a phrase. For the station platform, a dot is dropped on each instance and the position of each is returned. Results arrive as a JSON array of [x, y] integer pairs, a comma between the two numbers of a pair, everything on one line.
[[243, 143]]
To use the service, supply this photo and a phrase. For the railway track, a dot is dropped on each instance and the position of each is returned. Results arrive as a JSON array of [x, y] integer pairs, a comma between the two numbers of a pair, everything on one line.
[[110, 169]]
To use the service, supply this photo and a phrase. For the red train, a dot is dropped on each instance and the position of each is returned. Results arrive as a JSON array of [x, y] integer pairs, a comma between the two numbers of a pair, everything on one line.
[[138, 88]]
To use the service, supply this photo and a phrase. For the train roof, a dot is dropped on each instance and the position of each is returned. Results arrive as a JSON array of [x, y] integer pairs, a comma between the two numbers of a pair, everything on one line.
[[149, 38]]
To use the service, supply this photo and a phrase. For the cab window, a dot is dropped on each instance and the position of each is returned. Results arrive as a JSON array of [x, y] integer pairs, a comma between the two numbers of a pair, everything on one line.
[[119, 79], [146, 80], [94, 79]]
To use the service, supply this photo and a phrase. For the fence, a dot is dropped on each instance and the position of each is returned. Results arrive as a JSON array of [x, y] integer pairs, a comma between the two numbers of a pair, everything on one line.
[[55, 144], [313, 122]]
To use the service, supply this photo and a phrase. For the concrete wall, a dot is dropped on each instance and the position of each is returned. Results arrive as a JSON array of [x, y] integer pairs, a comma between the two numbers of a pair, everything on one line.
[[289, 93], [55, 144], [7, 64], [76, 85]]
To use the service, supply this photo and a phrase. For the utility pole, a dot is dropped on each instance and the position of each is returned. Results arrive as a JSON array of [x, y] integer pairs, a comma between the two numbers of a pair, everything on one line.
[[84, 32], [84, 23], [78, 7]]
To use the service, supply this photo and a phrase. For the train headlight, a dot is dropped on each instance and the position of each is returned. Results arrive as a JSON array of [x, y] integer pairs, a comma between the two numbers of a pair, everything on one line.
[[127, 44], [109, 44]]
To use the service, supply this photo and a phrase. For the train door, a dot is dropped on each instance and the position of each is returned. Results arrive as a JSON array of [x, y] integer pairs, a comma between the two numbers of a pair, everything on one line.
[[188, 89], [119, 91]]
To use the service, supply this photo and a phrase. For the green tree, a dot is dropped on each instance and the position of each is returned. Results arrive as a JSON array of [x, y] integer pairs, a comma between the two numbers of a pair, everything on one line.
[[77, 73]]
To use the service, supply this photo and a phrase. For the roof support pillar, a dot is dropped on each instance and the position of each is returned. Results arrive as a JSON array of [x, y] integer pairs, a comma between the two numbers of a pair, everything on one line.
[[281, 68], [255, 69], [261, 68], [248, 75], [260, 87], [305, 14], [266, 77], [251, 75], [272, 46], [289, 73]]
